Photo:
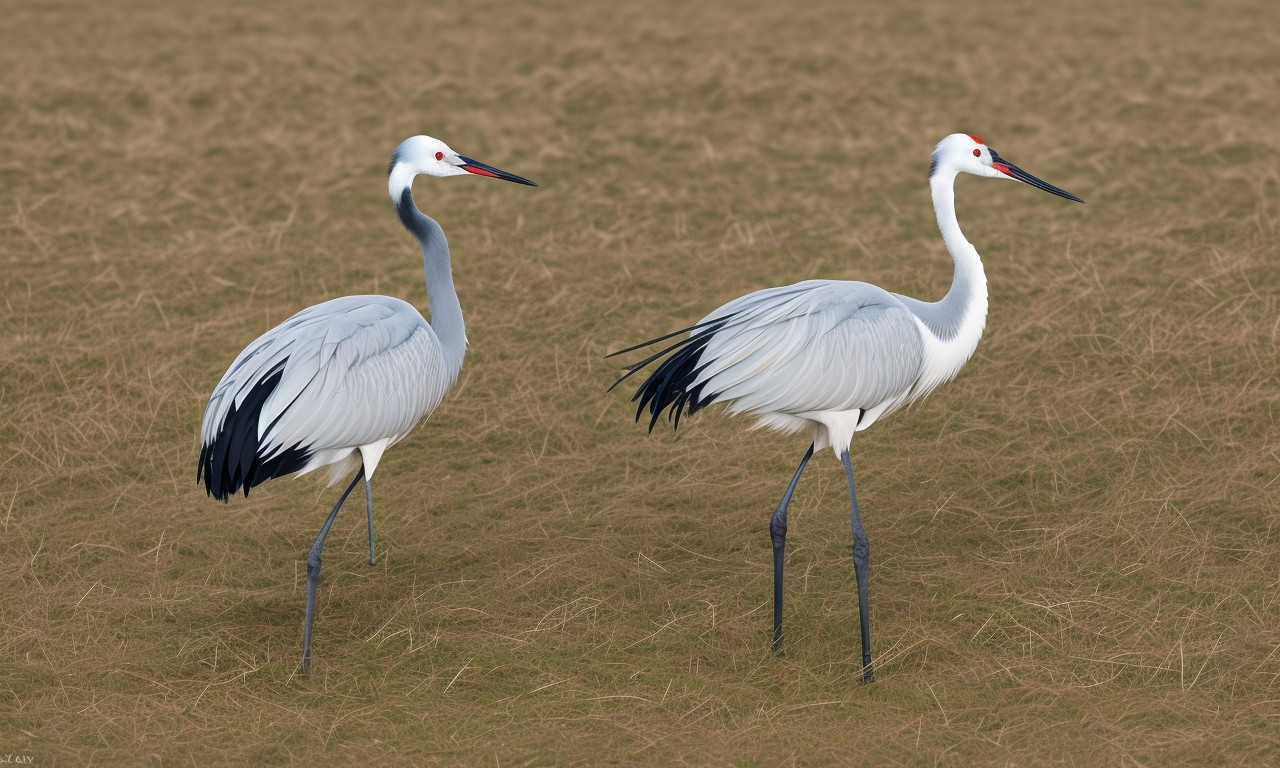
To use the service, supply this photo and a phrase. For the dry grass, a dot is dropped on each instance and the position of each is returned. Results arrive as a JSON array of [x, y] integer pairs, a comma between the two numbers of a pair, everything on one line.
[[1075, 552]]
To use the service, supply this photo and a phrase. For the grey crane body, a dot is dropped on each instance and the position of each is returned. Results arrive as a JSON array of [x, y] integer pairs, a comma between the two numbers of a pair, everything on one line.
[[831, 357], [338, 383]]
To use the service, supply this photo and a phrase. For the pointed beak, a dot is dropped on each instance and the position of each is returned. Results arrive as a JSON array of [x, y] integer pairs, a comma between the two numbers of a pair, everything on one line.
[[1014, 172], [480, 169]]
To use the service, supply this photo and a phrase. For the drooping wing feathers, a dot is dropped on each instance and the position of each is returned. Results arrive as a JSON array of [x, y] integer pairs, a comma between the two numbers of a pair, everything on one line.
[[635, 368], [650, 343], [673, 385], [819, 345], [231, 461], [338, 375]]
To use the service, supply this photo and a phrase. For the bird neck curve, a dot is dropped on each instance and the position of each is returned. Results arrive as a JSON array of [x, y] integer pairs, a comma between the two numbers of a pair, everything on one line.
[[953, 325], [446, 312], [965, 304]]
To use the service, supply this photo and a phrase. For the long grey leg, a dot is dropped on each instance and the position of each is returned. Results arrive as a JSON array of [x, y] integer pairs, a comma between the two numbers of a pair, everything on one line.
[[368, 506], [313, 572], [778, 533], [861, 559]]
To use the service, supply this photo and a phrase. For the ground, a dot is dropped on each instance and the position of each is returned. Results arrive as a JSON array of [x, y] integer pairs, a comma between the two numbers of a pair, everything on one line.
[[1074, 546]]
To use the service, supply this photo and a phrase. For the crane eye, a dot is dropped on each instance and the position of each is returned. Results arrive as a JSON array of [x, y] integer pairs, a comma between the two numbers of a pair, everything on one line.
[[440, 155], [976, 153]]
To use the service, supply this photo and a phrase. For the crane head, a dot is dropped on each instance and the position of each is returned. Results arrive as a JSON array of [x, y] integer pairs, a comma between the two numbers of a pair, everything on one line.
[[964, 152], [424, 154]]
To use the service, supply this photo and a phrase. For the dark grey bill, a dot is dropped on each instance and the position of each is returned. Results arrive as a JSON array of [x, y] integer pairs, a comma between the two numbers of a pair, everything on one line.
[[480, 169], [1008, 168]]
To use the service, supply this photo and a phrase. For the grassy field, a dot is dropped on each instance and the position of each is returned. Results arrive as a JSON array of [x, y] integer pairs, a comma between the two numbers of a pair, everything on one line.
[[1075, 549]]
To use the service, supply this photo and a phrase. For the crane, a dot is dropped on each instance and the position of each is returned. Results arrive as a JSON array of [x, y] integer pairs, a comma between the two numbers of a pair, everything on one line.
[[831, 357], [340, 382]]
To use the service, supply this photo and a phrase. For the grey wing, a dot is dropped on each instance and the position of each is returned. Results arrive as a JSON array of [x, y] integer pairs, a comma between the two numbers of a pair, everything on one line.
[[352, 371], [819, 345]]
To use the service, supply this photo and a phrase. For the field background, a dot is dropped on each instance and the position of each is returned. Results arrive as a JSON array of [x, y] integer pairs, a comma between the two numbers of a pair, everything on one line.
[[1075, 550]]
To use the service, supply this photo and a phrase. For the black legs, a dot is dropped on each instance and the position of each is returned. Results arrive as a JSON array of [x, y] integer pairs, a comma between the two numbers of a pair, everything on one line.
[[861, 558], [778, 532], [313, 572]]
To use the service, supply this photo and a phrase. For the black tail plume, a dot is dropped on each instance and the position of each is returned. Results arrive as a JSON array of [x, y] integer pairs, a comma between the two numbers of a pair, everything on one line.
[[232, 460], [672, 385]]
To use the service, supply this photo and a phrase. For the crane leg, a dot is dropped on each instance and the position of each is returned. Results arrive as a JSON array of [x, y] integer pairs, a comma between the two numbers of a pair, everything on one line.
[[861, 561], [778, 533], [368, 507], [313, 573]]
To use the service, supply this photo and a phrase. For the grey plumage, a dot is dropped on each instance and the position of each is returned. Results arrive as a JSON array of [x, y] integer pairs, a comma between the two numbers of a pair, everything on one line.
[[339, 382], [833, 357]]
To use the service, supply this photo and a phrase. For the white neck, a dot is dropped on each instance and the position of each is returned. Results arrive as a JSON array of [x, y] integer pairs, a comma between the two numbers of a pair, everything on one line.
[[953, 326], [400, 179]]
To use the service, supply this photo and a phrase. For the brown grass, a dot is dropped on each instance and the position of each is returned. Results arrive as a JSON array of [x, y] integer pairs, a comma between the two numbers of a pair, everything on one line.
[[1075, 545]]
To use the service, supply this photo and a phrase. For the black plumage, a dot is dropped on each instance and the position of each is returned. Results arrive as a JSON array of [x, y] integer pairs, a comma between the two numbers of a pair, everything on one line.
[[671, 386], [232, 461]]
